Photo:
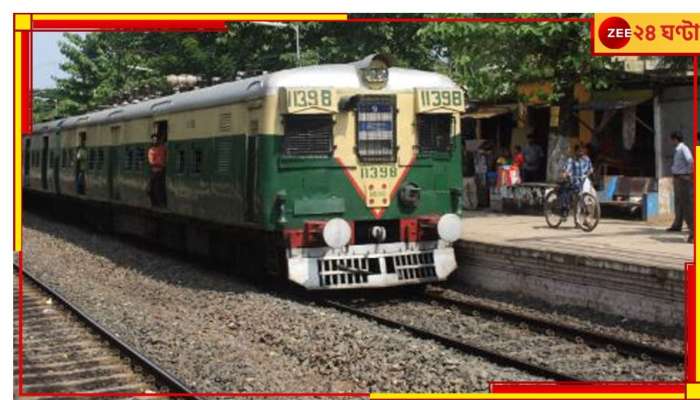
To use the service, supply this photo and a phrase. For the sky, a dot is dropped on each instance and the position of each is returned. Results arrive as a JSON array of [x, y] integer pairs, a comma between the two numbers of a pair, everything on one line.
[[46, 59]]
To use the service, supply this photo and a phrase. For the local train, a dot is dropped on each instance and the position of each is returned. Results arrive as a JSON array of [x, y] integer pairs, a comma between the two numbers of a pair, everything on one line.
[[333, 176]]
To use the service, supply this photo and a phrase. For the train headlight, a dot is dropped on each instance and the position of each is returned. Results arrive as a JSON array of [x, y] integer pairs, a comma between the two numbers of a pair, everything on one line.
[[376, 75], [450, 227], [337, 233]]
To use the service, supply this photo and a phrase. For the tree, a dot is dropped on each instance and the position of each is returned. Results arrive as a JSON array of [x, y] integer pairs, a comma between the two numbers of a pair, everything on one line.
[[103, 68], [347, 42], [491, 59], [45, 105]]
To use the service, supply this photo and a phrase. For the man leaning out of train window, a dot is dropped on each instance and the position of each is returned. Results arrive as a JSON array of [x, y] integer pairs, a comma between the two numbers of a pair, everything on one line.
[[156, 161]]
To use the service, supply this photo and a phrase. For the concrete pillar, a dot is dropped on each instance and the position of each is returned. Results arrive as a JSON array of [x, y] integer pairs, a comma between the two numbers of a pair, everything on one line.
[[658, 138]]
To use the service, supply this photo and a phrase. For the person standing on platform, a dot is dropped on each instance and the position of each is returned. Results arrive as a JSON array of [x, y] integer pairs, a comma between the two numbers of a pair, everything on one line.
[[681, 169]]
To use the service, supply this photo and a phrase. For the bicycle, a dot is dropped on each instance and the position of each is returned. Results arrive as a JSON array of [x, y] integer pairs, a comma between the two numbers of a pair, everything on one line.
[[585, 205]]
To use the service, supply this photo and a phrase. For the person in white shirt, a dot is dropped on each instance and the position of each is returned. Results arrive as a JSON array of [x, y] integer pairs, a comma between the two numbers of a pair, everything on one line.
[[681, 169]]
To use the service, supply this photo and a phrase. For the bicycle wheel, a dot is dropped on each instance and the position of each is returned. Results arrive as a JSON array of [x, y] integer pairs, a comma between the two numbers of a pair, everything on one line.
[[552, 210], [587, 213]]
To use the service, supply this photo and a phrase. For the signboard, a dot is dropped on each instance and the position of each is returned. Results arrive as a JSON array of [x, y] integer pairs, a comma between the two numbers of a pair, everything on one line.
[[308, 100], [439, 100], [646, 33]]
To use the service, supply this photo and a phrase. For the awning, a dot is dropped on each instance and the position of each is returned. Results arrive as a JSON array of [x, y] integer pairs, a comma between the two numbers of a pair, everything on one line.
[[616, 100], [489, 112]]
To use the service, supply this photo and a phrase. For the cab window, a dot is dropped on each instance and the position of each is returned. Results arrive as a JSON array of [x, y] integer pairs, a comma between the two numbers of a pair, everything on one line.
[[309, 135], [376, 117], [434, 132]]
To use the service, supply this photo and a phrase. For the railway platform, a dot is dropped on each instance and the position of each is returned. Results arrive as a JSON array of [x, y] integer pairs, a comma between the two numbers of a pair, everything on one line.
[[630, 269]]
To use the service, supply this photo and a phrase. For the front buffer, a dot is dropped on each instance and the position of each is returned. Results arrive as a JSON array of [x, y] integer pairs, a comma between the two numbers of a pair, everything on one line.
[[339, 265], [371, 265]]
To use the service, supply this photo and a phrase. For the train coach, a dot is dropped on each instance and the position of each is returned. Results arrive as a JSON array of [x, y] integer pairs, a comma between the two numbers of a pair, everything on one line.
[[332, 176]]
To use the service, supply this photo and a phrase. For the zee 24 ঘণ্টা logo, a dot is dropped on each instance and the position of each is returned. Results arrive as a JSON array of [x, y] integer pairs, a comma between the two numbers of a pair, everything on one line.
[[616, 32]]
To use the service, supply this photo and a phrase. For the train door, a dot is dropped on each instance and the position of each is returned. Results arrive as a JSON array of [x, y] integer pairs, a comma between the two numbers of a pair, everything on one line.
[[252, 172], [44, 162], [157, 185], [56, 161], [113, 162], [27, 160]]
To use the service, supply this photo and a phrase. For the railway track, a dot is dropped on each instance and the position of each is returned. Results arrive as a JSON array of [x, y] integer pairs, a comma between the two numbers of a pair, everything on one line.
[[546, 348], [65, 351], [466, 346], [597, 339]]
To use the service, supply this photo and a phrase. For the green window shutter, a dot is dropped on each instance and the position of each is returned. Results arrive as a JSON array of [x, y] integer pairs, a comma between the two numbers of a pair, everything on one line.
[[223, 156]]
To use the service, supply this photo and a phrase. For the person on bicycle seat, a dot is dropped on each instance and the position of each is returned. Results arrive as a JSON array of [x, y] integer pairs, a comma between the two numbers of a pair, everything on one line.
[[578, 168]]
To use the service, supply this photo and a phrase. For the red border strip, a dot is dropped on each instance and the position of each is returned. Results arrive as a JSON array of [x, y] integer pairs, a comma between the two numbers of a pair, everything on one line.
[[208, 394], [696, 129], [220, 25], [690, 329], [130, 25], [20, 324], [593, 387], [26, 87], [468, 19]]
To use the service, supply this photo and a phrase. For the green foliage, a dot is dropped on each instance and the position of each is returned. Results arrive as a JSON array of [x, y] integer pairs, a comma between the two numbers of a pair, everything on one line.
[[45, 104], [491, 59], [104, 68]]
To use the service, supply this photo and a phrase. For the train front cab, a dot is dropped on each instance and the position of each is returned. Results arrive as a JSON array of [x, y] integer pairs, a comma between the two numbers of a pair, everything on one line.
[[373, 200]]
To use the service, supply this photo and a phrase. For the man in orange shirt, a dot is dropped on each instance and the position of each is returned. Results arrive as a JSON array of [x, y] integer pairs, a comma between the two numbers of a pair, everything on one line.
[[157, 156]]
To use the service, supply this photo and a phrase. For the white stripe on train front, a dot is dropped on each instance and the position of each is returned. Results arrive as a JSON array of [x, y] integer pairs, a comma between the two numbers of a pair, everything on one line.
[[371, 265]]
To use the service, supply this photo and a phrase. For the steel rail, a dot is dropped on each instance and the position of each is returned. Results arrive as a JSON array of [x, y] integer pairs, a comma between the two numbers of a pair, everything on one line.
[[162, 376], [595, 339], [463, 346]]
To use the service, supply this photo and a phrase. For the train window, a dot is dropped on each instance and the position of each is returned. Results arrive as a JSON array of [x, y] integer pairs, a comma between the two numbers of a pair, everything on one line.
[[375, 129], [197, 161], [64, 158], [434, 132], [308, 135], [180, 162], [139, 159], [71, 158], [91, 159], [129, 159], [100, 159]]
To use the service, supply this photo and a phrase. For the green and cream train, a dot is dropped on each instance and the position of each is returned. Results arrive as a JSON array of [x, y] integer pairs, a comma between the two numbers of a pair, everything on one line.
[[333, 176]]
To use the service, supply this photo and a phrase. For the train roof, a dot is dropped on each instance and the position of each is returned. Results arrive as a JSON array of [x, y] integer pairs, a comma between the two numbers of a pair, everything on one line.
[[341, 76]]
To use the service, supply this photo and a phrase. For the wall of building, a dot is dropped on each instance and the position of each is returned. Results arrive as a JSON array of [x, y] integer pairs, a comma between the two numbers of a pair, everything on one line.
[[673, 109]]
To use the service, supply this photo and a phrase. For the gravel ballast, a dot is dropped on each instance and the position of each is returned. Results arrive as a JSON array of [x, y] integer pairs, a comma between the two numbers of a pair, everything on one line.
[[218, 334], [517, 340]]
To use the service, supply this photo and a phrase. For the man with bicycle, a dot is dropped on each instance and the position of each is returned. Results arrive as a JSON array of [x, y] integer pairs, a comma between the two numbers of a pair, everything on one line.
[[578, 168]]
